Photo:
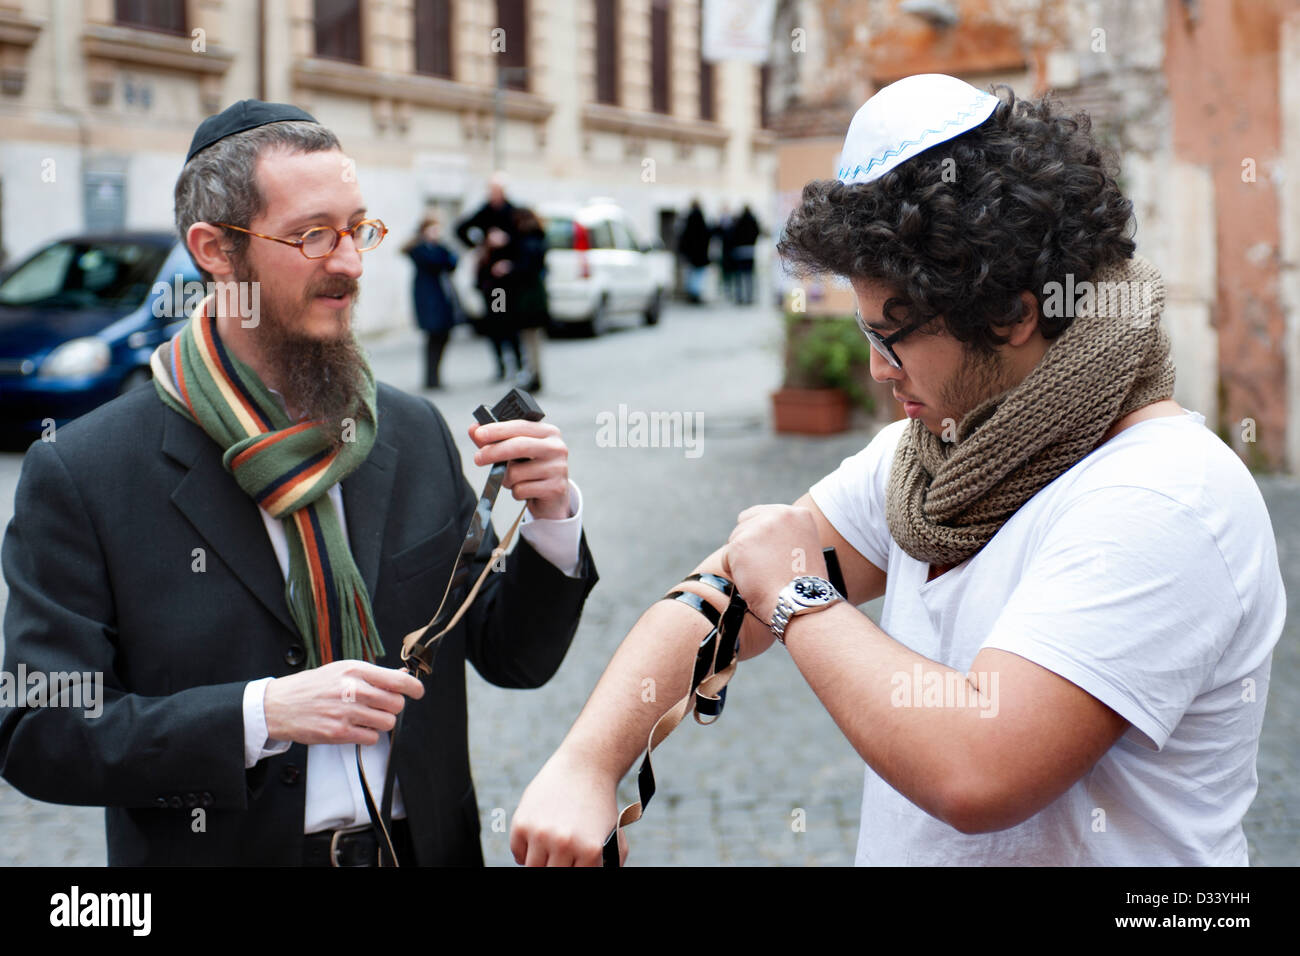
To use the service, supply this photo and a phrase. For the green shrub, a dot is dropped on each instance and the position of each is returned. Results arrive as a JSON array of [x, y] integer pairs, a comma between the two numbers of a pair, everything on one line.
[[827, 352]]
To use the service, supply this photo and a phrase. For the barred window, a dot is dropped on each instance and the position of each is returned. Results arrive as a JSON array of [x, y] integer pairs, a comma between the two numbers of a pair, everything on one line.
[[607, 51], [338, 29], [707, 99], [433, 37], [660, 61], [512, 17], [166, 16]]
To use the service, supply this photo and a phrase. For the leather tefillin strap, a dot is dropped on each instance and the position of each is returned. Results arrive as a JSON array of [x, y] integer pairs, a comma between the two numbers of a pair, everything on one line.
[[420, 647], [706, 696], [715, 663]]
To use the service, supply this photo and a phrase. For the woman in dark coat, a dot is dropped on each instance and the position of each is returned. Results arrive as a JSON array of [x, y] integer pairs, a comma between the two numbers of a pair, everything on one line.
[[529, 308], [436, 307]]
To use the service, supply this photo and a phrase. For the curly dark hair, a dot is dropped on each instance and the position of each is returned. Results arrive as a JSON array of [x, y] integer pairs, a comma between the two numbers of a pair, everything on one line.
[[961, 229]]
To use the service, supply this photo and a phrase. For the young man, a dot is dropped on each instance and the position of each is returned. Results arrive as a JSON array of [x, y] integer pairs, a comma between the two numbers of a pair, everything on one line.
[[1081, 583], [240, 552]]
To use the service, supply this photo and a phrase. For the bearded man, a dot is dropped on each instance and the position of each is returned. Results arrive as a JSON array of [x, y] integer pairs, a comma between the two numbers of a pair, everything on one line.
[[1081, 583], [240, 550]]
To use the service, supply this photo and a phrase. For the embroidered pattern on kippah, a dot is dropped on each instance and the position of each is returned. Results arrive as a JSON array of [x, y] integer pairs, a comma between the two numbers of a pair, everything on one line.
[[926, 134]]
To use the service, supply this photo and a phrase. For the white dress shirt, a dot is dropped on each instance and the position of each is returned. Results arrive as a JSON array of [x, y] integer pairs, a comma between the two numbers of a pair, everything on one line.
[[334, 795]]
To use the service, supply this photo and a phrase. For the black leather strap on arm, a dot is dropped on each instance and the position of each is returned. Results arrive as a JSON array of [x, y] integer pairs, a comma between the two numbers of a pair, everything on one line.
[[705, 695], [721, 649]]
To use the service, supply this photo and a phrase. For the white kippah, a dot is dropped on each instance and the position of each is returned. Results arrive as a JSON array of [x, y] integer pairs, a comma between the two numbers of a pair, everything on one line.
[[906, 118]]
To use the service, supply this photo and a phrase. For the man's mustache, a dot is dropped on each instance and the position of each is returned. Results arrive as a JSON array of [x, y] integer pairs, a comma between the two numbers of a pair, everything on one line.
[[340, 286]]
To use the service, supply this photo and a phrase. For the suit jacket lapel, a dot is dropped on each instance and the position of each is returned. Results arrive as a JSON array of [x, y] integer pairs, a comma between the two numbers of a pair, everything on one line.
[[367, 493], [229, 521]]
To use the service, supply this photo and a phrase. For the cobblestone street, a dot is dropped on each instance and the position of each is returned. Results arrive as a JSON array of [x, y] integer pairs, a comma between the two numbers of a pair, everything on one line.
[[728, 793]]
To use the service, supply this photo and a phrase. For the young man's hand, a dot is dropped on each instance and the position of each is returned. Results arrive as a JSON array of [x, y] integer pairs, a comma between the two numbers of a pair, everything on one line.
[[770, 546], [565, 815]]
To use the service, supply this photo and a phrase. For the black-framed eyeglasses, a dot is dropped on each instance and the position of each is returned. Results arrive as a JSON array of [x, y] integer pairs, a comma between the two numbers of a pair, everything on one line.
[[319, 242], [885, 344]]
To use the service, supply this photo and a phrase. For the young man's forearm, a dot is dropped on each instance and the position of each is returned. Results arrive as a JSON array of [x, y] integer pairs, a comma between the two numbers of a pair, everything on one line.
[[981, 751], [569, 808], [650, 671]]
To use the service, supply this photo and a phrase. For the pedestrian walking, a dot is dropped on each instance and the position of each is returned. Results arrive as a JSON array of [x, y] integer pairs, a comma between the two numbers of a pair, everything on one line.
[[744, 236], [693, 247], [437, 308], [490, 230], [725, 232], [528, 304]]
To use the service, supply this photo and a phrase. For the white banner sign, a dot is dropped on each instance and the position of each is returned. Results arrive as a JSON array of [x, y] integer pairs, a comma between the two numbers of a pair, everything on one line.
[[738, 30]]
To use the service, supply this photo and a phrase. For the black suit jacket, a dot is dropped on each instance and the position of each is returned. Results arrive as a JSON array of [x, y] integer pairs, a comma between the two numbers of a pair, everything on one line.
[[101, 559]]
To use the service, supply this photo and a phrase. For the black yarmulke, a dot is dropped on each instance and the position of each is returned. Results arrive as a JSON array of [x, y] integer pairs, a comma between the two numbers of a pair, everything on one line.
[[244, 115]]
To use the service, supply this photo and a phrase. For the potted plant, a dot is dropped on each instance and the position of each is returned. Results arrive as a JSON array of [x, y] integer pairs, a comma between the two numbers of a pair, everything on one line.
[[825, 359]]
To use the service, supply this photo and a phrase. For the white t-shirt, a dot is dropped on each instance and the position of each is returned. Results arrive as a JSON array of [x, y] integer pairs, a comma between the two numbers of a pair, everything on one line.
[[1147, 574]]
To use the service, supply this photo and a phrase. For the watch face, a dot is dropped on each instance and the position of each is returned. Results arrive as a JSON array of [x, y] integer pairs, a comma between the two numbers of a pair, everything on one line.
[[811, 591]]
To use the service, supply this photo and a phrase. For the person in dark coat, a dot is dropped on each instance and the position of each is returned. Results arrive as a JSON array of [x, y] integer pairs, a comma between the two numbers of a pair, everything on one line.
[[528, 304], [491, 229], [744, 235], [725, 230], [436, 307], [693, 246]]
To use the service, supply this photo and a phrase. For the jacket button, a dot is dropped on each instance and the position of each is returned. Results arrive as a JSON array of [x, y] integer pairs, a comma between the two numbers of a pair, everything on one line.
[[295, 655], [289, 775], [175, 803]]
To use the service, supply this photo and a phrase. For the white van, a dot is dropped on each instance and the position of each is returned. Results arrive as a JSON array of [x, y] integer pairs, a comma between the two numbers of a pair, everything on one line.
[[598, 272]]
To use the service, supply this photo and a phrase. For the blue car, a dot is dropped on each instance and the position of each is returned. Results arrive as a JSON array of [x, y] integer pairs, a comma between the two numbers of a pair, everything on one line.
[[79, 320]]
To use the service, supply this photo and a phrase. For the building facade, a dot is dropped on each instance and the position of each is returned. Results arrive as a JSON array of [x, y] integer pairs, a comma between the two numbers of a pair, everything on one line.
[[572, 98]]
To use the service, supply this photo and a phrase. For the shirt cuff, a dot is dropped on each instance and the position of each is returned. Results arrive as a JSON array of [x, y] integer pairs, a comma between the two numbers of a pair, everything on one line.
[[557, 539], [256, 744]]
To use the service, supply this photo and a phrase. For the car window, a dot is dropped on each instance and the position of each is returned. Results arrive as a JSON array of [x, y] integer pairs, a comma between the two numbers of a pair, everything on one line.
[[85, 275], [622, 237], [601, 235], [559, 232], [40, 277], [634, 241]]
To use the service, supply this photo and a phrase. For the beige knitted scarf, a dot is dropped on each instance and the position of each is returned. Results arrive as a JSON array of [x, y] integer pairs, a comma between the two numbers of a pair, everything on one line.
[[946, 499]]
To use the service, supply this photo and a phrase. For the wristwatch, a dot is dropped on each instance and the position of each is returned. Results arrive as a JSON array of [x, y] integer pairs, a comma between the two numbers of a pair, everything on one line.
[[801, 596]]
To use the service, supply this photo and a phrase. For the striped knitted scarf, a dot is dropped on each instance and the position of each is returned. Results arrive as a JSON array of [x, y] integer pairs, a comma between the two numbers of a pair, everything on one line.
[[947, 499], [287, 469]]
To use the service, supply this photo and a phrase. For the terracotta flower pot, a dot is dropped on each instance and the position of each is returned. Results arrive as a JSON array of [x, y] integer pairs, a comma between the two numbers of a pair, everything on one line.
[[810, 411]]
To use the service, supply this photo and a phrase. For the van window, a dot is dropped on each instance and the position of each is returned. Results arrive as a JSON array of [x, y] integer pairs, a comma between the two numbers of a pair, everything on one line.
[[601, 235], [559, 232]]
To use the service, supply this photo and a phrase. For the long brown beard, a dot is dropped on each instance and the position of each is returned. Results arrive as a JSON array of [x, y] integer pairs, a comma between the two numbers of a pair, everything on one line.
[[321, 379]]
